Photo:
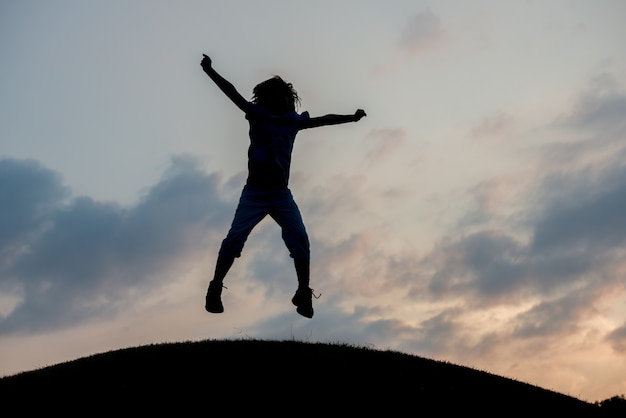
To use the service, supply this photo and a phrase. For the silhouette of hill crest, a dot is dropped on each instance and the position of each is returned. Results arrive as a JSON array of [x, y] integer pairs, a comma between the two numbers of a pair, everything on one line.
[[278, 377]]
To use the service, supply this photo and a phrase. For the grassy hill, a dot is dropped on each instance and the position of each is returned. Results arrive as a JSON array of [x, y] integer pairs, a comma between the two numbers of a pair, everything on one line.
[[235, 377]]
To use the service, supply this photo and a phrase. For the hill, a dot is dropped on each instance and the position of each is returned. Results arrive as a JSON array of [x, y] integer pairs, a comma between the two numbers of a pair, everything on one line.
[[214, 377]]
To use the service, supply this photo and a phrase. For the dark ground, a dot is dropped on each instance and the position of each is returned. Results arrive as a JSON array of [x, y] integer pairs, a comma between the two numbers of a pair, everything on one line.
[[212, 378]]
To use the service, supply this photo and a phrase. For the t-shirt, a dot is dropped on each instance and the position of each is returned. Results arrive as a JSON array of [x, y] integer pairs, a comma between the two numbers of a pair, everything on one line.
[[271, 143]]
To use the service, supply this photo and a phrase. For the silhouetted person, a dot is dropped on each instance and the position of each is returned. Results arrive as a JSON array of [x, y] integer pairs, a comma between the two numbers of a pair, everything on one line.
[[274, 124]]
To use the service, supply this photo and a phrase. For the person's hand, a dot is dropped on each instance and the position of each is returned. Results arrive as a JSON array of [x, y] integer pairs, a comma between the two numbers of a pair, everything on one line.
[[359, 114], [206, 62]]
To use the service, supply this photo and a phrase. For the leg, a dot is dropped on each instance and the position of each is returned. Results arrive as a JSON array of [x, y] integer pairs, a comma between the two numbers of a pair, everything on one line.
[[287, 215], [303, 299], [248, 214], [302, 271], [213, 299], [224, 263]]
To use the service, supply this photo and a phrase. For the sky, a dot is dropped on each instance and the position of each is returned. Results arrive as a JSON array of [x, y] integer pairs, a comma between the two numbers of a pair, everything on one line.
[[475, 216]]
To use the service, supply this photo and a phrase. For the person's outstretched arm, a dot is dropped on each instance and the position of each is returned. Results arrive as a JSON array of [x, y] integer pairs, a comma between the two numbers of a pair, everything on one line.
[[223, 84], [333, 119]]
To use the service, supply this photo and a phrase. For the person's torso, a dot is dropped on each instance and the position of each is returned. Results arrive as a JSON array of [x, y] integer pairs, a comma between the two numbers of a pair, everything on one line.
[[271, 144]]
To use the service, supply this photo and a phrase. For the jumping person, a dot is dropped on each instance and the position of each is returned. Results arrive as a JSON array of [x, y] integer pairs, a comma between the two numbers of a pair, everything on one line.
[[274, 124]]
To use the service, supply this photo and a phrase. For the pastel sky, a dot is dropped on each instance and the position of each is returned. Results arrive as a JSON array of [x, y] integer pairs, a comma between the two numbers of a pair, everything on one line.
[[476, 215]]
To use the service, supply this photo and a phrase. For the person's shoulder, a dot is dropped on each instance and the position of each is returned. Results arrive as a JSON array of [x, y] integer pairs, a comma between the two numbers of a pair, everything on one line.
[[255, 110], [252, 107], [295, 116]]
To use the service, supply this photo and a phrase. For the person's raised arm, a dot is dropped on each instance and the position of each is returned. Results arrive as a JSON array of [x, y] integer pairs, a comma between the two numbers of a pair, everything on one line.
[[333, 119], [224, 85]]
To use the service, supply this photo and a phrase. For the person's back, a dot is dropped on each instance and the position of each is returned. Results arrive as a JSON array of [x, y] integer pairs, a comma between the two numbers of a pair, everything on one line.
[[271, 144]]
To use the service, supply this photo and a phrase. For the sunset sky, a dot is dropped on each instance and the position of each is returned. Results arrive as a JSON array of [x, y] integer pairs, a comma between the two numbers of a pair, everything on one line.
[[477, 215]]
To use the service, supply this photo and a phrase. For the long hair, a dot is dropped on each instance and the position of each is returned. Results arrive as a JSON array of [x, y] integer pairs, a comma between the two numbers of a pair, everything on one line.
[[271, 94]]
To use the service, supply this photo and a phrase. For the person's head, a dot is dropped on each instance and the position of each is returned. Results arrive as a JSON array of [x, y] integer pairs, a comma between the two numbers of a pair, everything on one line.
[[276, 95]]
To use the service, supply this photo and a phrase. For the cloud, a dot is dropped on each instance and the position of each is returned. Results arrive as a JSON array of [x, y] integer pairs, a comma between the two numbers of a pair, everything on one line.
[[423, 31], [528, 278], [384, 143], [586, 211], [601, 106], [577, 235], [594, 129], [493, 126], [531, 277], [89, 257], [553, 319], [487, 267], [617, 339], [544, 267], [343, 195], [493, 199], [28, 191], [440, 332], [582, 197]]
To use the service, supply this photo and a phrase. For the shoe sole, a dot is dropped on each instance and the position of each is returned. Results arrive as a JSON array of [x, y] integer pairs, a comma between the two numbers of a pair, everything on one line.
[[301, 309], [305, 314], [213, 309]]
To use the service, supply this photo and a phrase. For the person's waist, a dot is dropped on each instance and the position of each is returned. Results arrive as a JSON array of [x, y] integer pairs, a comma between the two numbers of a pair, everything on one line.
[[267, 180], [266, 189]]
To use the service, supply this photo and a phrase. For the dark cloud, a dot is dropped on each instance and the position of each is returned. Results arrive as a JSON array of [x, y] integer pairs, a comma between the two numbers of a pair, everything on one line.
[[488, 265], [578, 223], [601, 107], [28, 192], [589, 215], [617, 339], [554, 318], [437, 334], [596, 124], [89, 256]]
